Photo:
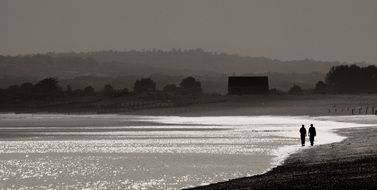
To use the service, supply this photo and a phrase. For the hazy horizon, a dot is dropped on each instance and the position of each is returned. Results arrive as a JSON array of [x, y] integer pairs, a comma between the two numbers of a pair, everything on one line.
[[76, 53], [338, 30]]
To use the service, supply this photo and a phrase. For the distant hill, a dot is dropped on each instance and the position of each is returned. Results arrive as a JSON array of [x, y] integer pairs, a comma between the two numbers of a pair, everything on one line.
[[200, 60], [73, 66]]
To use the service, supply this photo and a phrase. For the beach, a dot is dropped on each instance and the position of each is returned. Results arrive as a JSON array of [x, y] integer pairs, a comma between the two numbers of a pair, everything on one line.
[[116, 151], [174, 148], [350, 164]]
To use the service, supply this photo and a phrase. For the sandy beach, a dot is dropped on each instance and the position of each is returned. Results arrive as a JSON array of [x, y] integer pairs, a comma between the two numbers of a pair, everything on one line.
[[350, 164]]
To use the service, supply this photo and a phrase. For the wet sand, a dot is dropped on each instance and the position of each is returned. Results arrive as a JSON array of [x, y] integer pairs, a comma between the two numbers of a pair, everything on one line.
[[350, 164], [281, 105]]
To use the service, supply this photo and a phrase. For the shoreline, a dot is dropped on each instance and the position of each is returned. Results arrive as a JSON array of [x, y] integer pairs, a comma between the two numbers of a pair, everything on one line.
[[296, 170], [349, 164], [281, 162], [311, 105]]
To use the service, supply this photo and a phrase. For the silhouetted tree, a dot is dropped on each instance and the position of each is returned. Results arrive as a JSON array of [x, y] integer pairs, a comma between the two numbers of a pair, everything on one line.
[[26, 91], [14, 92], [89, 90], [191, 86], [352, 79], [295, 89], [2, 96], [108, 90], [48, 89], [320, 88], [144, 85], [48, 85]]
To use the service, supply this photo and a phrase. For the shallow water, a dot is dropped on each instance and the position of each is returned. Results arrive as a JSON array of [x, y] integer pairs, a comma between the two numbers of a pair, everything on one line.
[[41, 151]]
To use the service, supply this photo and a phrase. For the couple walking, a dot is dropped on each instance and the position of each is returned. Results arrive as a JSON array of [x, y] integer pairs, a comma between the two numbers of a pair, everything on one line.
[[312, 134]]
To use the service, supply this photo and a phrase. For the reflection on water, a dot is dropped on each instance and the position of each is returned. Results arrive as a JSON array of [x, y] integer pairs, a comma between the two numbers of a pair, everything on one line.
[[40, 151]]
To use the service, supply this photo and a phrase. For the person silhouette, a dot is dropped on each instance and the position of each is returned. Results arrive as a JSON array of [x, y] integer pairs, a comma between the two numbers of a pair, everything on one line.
[[312, 134], [303, 135]]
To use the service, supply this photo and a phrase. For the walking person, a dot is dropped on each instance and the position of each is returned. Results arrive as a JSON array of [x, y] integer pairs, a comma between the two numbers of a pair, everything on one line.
[[312, 134], [303, 135]]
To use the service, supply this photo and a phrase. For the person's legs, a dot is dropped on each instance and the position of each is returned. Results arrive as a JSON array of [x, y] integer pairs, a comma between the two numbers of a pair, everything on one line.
[[312, 140], [303, 140]]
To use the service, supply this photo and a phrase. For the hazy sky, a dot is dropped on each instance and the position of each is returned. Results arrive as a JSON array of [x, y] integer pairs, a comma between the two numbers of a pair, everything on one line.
[[344, 30]]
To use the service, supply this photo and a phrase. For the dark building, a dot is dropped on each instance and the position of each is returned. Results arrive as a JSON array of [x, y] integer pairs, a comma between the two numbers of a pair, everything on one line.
[[248, 85]]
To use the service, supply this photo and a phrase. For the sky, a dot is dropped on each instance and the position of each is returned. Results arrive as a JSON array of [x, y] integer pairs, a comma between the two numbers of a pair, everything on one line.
[[330, 30]]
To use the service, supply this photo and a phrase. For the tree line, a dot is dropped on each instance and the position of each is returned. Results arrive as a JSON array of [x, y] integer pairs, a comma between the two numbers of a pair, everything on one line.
[[48, 89], [345, 79]]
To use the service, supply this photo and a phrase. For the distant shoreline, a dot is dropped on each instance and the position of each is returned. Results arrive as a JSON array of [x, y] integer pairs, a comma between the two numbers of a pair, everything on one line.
[[350, 164], [312, 105]]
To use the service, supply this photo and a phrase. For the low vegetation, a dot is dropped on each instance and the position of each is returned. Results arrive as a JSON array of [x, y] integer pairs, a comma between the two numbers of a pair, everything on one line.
[[47, 94]]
